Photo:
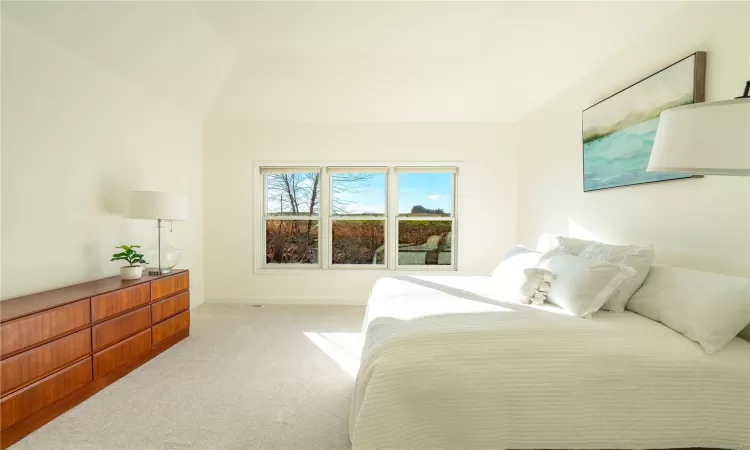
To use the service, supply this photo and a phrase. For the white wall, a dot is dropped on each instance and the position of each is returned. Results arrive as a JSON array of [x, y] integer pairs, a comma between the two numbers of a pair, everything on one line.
[[699, 223], [75, 139], [487, 197]]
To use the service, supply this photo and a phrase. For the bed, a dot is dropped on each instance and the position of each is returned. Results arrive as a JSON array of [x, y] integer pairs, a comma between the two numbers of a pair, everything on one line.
[[446, 365]]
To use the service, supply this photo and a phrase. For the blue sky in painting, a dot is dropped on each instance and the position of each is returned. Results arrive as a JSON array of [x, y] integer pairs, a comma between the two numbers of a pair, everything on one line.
[[431, 190]]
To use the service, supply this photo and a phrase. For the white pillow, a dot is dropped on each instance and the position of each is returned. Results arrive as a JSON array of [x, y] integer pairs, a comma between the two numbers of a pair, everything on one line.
[[581, 285], [639, 259], [508, 276], [708, 308], [548, 243]]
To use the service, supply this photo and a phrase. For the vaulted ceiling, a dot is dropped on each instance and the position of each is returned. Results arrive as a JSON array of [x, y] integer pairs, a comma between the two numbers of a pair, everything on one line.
[[349, 61], [169, 49]]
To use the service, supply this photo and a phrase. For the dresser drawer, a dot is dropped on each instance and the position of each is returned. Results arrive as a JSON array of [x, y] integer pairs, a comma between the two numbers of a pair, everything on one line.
[[171, 326], [114, 303], [167, 308], [29, 331], [117, 329], [170, 285], [34, 397], [38, 362], [122, 353]]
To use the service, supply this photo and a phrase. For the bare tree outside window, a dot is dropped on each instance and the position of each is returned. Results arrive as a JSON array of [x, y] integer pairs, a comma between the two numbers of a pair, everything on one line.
[[298, 194], [348, 189], [293, 194], [292, 241]]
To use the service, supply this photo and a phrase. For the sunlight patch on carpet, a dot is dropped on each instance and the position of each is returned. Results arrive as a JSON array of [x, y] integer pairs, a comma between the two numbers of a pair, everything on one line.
[[345, 349]]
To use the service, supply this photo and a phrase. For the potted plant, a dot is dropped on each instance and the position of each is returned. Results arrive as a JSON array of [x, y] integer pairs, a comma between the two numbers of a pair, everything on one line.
[[133, 270]]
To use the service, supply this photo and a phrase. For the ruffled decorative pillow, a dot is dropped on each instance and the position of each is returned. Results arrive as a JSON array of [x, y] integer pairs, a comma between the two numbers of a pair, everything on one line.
[[537, 285], [508, 277]]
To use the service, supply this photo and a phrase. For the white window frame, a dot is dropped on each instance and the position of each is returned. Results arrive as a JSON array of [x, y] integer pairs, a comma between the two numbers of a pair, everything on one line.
[[325, 216]]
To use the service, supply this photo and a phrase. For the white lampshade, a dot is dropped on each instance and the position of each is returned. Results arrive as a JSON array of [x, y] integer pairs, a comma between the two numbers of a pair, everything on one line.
[[704, 139], [158, 205]]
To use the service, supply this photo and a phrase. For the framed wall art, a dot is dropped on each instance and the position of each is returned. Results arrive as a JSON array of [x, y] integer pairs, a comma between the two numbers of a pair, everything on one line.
[[619, 131]]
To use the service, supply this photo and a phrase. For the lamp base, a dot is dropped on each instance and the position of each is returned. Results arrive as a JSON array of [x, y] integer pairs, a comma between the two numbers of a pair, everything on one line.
[[159, 272], [161, 255]]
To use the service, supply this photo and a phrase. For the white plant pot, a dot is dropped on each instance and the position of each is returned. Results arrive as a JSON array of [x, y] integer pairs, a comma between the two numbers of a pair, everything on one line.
[[131, 273]]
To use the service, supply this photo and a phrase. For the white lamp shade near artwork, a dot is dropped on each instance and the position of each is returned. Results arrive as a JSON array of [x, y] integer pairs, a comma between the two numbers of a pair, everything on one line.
[[704, 139], [158, 205]]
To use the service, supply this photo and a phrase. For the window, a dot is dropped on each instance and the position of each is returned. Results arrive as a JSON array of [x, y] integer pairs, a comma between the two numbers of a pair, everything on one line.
[[365, 217], [291, 219], [425, 221], [358, 216]]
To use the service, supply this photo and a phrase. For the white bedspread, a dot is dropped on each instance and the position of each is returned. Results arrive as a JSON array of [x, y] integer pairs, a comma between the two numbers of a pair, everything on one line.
[[446, 366]]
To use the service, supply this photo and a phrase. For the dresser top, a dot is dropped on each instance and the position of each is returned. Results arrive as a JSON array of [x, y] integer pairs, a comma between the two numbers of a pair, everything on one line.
[[29, 304]]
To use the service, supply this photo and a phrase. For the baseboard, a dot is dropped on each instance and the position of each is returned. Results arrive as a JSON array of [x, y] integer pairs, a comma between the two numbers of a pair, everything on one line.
[[289, 301]]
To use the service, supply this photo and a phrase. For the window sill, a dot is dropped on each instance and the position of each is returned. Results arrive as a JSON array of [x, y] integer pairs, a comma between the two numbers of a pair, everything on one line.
[[369, 270]]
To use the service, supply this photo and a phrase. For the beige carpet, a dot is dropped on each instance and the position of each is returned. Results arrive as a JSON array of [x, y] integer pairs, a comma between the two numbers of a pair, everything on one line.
[[246, 378]]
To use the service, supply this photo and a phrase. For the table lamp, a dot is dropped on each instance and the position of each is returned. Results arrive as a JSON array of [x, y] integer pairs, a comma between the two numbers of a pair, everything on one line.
[[710, 138], [162, 207]]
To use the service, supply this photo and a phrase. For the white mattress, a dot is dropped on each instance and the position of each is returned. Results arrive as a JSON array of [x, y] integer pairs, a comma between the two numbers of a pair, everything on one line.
[[447, 366]]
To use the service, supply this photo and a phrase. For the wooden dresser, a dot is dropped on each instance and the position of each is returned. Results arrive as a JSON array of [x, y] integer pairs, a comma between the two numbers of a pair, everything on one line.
[[60, 347]]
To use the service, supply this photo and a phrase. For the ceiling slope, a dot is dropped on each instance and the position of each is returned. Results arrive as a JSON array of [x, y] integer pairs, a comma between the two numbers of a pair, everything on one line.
[[416, 61], [167, 48]]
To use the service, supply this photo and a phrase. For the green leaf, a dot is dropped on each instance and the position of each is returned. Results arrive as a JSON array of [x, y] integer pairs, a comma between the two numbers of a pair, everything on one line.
[[129, 254]]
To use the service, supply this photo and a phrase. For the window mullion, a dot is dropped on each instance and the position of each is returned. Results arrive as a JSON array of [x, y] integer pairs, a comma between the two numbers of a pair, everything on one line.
[[454, 238], [391, 238], [427, 218], [454, 225], [324, 243], [381, 218], [261, 196]]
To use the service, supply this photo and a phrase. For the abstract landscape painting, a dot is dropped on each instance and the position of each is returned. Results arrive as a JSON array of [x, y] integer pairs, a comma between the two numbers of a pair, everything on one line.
[[618, 132]]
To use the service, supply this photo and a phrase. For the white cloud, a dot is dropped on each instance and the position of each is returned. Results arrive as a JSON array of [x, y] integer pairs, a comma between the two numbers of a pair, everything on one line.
[[435, 197]]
